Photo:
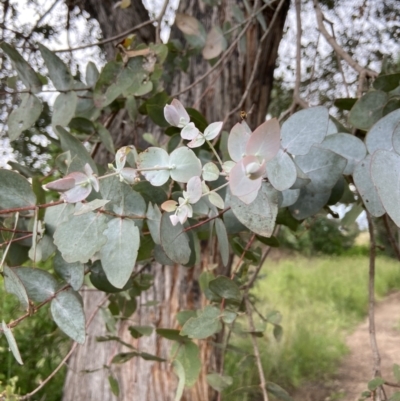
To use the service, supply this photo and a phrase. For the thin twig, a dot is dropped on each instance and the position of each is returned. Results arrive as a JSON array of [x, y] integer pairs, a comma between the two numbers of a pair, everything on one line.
[[16, 239], [223, 57], [207, 220], [256, 62], [248, 245], [371, 296], [257, 271], [25, 208], [336, 47], [263, 382], [75, 344], [112, 38]]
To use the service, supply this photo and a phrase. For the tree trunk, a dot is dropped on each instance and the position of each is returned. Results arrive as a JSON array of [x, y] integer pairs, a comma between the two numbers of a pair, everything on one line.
[[175, 288]]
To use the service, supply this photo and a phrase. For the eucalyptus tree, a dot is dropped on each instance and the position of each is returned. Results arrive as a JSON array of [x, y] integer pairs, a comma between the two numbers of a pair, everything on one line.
[[157, 228]]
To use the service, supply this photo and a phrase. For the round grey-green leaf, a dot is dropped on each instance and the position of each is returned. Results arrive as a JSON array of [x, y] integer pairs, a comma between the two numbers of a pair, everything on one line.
[[39, 284], [223, 243], [184, 164], [281, 170], [260, 215], [225, 288], [304, 129], [68, 314], [348, 146], [15, 191], [381, 134], [309, 203], [385, 173], [366, 188], [80, 237], [151, 159], [323, 167], [11, 342]]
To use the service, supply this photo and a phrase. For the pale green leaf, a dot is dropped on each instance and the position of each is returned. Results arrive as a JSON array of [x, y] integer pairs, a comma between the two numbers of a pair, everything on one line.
[[216, 200], [261, 214], [39, 284], [118, 255], [368, 110], [174, 241], [180, 372], [187, 354], [215, 43], [72, 273], [366, 188], [204, 325], [309, 203], [13, 285], [219, 382], [64, 108], [281, 171], [154, 222], [151, 159], [80, 237], [225, 288], [78, 151], [105, 137], [67, 312], [24, 116], [15, 191], [380, 135], [304, 129], [11, 342], [385, 173], [223, 243], [58, 71], [25, 72], [92, 74], [348, 146], [184, 164]]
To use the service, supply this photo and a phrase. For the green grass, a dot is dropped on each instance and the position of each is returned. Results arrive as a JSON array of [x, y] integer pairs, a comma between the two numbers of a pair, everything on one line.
[[320, 300]]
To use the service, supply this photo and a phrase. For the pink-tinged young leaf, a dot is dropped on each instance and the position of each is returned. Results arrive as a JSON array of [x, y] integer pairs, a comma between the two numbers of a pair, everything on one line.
[[196, 142], [129, 175], [184, 212], [193, 189], [189, 132], [77, 194], [265, 141], [237, 141], [169, 206], [61, 185], [253, 168], [171, 115], [213, 130], [239, 181], [183, 114]]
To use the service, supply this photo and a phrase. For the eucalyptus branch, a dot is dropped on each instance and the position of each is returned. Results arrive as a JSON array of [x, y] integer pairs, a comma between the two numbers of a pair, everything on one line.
[[16, 240], [35, 309], [336, 47], [26, 208], [371, 296], [201, 223], [257, 355], [46, 91], [70, 352], [248, 245]]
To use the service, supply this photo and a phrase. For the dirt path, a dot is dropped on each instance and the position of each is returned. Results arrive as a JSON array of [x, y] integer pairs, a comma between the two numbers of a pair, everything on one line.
[[356, 369]]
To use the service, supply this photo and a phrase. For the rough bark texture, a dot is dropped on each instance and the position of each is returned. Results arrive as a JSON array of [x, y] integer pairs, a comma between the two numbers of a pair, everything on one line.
[[175, 287]]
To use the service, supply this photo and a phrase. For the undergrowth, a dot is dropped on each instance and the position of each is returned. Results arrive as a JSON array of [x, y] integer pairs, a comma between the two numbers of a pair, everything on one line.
[[321, 300]]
